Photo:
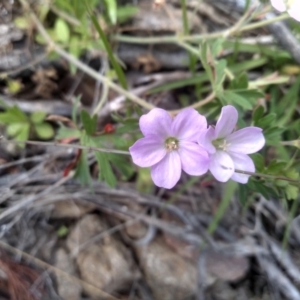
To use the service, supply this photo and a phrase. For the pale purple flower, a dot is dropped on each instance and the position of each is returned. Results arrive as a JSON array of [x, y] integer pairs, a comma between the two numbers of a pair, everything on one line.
[[228, 150], [291, 6], [169, 145]]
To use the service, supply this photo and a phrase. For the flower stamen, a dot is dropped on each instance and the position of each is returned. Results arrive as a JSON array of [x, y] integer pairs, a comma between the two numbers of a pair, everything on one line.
[[220, 144], [171, 144]]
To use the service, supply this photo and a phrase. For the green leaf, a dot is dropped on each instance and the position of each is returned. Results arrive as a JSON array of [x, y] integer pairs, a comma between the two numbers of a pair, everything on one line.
[[217, 46], [273, 133], [266, 121], [276, 167], [38, 117], [204, 55], [243, 192], [121, 162], [258, 161], [220, 74], [44, 130], [292, 192], [105, 172], [13, 115], [234, 98], [22, 22], [125, 12], [23, 134], [62, 231], [239, 82], [111, 6], [62, 31], [258, 113], [14, 128], [261, 188], [82, 169], [65, 132], [89, 123]]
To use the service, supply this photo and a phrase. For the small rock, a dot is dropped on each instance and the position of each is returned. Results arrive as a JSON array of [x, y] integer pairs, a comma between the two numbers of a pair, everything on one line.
[[71, 209], [106, 264], [67, 288], [169, 276]]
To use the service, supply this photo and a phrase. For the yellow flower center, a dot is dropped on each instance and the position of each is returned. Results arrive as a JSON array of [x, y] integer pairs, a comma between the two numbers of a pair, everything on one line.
[[171, 144], [220, 144]]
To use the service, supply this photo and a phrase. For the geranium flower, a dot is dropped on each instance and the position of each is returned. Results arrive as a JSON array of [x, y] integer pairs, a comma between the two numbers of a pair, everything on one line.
[[228, 150], [169, 145], [291, 6]]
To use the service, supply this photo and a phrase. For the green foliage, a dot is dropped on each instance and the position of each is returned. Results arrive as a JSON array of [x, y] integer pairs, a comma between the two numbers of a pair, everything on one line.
[[22, 127]]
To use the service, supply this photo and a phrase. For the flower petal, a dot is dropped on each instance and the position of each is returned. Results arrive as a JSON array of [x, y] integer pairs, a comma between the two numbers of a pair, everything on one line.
[[294, 10], [148, 151], [187, 125], [244, 163], [227, 121], [247, 140], [194, 159], [205, 140], [221, 166], [279, 5], [156, 122], [167, 172]]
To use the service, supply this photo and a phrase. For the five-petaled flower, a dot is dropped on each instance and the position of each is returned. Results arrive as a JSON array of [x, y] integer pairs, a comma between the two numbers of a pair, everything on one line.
[[228, 150], [170, 145], [291, 6]]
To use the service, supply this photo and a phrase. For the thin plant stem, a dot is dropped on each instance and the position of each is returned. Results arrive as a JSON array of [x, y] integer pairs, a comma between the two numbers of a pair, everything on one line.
[[267, 176], [198, 37], [38, 143], [71, 59]]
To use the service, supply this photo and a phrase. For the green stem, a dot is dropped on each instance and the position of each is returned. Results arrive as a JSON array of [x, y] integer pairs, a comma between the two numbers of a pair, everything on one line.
[[80, 65], [268, 176], [197, 37]]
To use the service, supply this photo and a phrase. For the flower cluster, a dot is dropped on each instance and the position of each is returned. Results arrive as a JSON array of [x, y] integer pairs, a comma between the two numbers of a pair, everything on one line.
[[291, 6], [171, 145]]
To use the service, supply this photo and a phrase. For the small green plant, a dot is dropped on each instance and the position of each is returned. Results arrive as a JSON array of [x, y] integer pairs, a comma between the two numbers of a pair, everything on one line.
[[23, 127]]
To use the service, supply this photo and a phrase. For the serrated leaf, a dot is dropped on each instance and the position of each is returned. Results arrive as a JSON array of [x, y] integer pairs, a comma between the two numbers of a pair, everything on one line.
[[44, 130], [276, 167], [89, 123], [13, 115], [62, 31], [105, 172], [82, 169], [38, 116], [292, 192]]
